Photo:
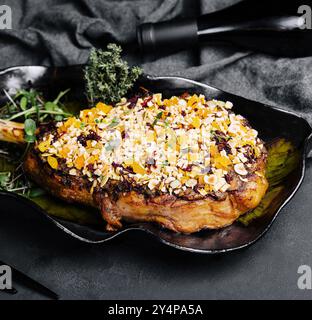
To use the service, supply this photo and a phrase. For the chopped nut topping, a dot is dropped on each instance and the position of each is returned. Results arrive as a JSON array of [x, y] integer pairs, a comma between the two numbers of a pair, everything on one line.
[[169, 145], [240, 169]]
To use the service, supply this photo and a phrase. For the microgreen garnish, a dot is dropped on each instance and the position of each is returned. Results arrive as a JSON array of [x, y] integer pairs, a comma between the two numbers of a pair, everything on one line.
[[17, 182], [29, 107], [30, 104], [30, 130]]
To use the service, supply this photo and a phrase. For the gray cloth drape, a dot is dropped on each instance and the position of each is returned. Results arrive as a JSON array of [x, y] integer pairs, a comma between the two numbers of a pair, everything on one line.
[[55, 32]]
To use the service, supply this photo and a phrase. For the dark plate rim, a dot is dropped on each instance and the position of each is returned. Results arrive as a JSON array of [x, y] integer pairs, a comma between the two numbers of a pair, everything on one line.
[[139, 227]]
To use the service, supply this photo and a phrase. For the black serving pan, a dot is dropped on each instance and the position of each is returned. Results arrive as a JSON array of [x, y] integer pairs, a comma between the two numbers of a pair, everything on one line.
[[271, 123]]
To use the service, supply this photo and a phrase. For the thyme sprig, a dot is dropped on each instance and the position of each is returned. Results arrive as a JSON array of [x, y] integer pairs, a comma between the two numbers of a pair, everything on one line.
[[108, 77]]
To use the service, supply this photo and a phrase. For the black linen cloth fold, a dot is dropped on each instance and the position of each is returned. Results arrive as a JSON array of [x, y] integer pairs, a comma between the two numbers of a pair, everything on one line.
[[55, 32]]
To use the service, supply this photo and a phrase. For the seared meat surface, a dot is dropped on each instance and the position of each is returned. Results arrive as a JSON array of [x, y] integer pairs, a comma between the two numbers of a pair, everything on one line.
[[174, 213], [80, 161]]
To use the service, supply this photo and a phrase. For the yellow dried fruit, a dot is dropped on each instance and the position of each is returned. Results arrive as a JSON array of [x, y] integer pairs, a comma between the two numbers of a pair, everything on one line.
[[249, 142], [84, 113], [104, 107], [208, 187], [192, 102], [93, 159], [215, 125], [138, 168], [52, 162], [222, 162], [196, 122], [184, 179], [201, 179], [171, 102], [202, 99], [203, 113], [121, 128], [69, 122], [64, 152], [79, 162], [213, 150], [77, 124], [87, 115], [44, 146]]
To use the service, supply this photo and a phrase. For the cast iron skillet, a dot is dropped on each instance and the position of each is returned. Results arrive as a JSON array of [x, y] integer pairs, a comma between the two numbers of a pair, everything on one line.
[[269, 121]]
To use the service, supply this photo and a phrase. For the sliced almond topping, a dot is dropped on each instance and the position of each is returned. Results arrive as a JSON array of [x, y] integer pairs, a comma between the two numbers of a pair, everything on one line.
[[240, 169]]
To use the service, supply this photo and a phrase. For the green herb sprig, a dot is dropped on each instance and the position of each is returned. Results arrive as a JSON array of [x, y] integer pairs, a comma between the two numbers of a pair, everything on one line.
[[108, 77], [29, 107]]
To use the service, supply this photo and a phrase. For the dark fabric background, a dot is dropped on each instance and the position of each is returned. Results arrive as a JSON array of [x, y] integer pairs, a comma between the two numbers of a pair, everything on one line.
[[58, 32]]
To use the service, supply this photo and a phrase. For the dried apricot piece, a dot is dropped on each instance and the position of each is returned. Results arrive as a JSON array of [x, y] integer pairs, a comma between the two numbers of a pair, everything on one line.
[[52, 162]]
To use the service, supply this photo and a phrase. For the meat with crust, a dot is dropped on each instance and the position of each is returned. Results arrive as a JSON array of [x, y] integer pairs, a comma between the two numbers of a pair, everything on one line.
[[185, 162], [180, 215]]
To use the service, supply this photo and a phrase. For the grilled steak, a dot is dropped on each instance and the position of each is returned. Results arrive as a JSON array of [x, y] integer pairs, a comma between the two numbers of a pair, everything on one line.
[[184, 162]]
